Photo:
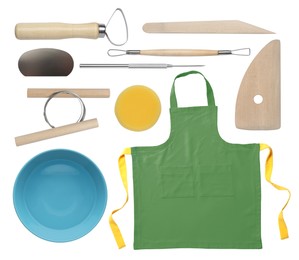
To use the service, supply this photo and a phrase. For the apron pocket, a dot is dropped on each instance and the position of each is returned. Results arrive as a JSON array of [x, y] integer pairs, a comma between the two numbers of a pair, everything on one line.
[[177, 182], [216, 180]]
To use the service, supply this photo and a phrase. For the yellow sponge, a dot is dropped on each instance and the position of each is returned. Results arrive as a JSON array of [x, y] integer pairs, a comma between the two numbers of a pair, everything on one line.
[[137, 108]]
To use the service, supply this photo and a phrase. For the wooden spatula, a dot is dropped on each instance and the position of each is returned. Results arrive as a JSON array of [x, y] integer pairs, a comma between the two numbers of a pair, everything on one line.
[[261, 81], [225, 26]]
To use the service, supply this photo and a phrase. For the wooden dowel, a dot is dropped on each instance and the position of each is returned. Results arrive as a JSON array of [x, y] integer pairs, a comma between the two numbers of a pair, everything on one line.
[[83, 93], [56, 132]]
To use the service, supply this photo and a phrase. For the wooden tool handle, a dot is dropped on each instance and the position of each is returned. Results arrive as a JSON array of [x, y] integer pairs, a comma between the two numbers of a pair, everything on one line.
[[32, 31], [83, 93], [55, 132], [178, 52]]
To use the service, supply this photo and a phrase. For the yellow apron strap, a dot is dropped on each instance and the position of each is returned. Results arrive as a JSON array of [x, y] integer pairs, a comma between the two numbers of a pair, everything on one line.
[[123, 174], [268, 173]]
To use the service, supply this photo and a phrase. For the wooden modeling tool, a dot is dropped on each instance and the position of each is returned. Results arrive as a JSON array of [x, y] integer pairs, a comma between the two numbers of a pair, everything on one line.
[[225, 26], [178, 52], [258, 101]]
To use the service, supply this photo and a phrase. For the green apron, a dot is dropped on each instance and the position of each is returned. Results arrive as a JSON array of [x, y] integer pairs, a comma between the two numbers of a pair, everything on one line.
[[196, 190]]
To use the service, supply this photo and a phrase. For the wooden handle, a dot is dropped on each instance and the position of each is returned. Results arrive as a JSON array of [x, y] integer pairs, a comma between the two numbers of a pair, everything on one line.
[[178, 52], [55, 132], [83, 93], [33, 31]]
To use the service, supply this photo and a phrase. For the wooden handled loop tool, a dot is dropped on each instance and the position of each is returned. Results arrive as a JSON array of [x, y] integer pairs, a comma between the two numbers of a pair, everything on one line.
[[42, 31]]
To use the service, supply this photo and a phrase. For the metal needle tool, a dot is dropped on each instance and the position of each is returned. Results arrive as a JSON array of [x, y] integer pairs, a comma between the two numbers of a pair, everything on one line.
[[137, 65]]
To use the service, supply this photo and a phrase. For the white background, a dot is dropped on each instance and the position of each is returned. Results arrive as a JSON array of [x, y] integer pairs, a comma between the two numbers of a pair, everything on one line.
[[20, 115]]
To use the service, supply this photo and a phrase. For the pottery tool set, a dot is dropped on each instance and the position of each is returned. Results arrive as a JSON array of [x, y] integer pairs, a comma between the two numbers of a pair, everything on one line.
[[185, 174]]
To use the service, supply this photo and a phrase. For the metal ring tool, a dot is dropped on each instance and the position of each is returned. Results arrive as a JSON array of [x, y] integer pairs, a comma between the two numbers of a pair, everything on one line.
[[83, 109]]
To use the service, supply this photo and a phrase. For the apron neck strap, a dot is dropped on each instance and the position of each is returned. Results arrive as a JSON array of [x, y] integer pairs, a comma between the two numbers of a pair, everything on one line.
[[210, 95]]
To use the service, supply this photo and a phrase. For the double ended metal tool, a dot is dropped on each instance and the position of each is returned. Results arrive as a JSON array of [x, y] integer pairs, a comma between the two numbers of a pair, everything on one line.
[[178, 52]]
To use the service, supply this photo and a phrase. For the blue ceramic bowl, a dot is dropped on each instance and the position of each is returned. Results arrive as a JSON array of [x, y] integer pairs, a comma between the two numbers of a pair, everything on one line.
[[60, 195]]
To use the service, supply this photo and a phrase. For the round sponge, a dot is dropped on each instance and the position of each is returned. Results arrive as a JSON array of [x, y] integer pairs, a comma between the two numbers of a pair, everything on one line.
[[137, 108]]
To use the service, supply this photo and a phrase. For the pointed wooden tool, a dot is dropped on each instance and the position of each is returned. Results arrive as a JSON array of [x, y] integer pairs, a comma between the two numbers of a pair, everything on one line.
[[261, 80], [225, 26]]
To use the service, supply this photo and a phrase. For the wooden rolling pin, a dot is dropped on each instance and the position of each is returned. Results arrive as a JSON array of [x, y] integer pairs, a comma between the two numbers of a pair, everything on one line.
[[83, 93], [56, 132]]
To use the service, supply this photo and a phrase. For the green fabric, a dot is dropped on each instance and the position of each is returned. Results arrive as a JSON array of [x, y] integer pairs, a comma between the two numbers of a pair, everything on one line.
[[196, 190]]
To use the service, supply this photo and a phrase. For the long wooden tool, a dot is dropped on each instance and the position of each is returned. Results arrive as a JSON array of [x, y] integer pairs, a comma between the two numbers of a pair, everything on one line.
[[261, 80], [225, 26], [55, 132], [83, 93], [179, 52]]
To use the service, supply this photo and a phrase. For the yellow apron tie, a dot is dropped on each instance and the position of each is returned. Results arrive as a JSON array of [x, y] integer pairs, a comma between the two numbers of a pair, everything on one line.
[[268, 173], [123, 173]]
